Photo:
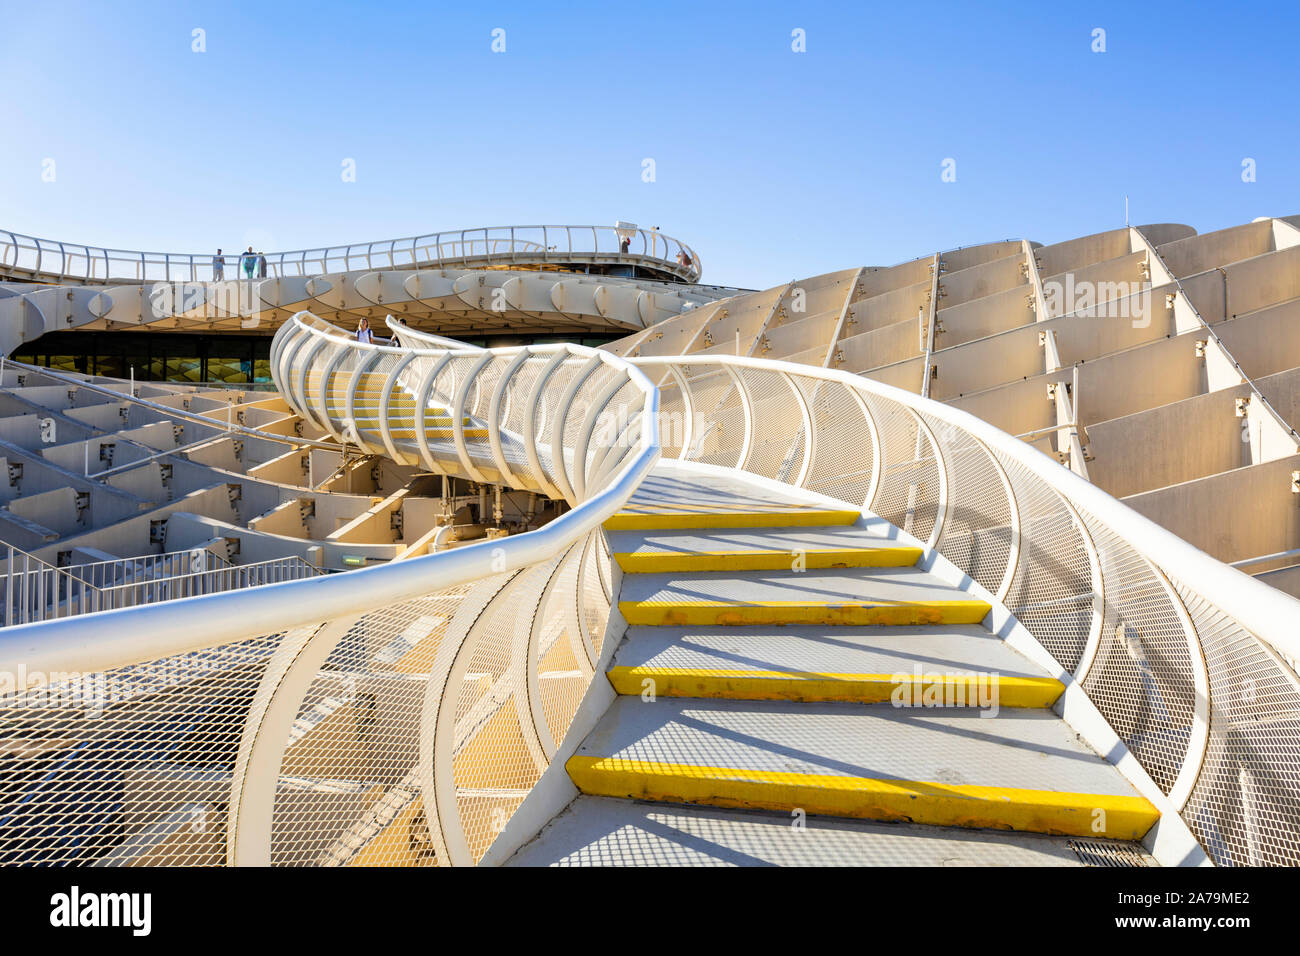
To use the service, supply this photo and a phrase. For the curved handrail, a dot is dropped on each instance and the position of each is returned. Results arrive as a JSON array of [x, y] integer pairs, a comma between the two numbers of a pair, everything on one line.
[[410, 338], [541, 245], [1174, 648]]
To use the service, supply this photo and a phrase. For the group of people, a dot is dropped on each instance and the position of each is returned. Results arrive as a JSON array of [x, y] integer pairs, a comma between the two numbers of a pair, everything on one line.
[[683, 257], [252, 264]]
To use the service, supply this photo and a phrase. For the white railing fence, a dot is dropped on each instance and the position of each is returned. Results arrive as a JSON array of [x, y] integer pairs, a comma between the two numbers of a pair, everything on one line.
[[1191, 662], [35, 590], [55, 261], [391, 715]]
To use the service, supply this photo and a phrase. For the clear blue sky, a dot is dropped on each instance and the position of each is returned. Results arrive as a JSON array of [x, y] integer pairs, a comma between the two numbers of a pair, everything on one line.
[[773, 164]]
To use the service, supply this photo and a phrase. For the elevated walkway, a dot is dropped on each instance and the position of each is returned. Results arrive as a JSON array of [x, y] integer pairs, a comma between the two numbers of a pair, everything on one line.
[[55, 261]]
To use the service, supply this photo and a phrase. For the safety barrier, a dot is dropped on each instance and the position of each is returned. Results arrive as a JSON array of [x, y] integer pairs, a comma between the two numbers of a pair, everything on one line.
[[50, 260]]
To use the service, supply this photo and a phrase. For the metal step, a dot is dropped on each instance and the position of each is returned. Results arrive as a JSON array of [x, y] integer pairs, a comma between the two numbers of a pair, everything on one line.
[[600, 831], [943, 664], [852, 596], [768, 549], [1021, 770]]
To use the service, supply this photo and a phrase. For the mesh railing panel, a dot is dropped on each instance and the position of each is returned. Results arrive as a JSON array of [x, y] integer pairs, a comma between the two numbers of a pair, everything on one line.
[[494, 762], [1245, 804], [908, 491], [845, 460], [977, 530], [1051, 591], [776, 449], [350, 765], [1141, 677], [130, 766]]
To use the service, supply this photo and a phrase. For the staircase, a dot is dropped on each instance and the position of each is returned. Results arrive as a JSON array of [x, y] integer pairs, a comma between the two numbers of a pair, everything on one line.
[[788, 674]]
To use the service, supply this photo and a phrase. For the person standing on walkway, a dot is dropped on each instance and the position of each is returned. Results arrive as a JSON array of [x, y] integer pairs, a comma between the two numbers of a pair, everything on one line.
[[363, 332], [261, 265], [250, 263], [218, 267]]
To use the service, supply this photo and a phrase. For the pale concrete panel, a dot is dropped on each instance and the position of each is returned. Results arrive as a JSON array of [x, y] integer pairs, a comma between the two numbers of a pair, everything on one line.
[[1232, 516], [1168, 445], [1004, 357], [1205, 292], [807, 333], [666, 338], [1087, 286], [1262, 282], [1157, 373], [1186, 257], [906, 375], [879, 281], [893, 343], [1016, 407], [879, 311], [1264, 342], [966, 257], [986, 362], [985, 316], [1084, 251], [1088, 337], [1162, 232], [822, 294], [738, 318], [976, 282], [1282, 391]]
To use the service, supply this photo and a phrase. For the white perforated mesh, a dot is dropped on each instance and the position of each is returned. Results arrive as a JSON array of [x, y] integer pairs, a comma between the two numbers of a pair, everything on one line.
[[130, 766]]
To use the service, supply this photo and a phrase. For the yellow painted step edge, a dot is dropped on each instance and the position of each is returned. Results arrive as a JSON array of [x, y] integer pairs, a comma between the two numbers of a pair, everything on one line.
[[897, 613], [816, 686], [669, 561], [666, 520], [1112, 816], [439, 434]]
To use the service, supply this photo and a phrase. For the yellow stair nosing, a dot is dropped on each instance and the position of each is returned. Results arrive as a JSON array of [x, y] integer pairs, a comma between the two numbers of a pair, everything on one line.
[[898, 613], [673, 520], [961, 689], [660, 562], [1112, 816]]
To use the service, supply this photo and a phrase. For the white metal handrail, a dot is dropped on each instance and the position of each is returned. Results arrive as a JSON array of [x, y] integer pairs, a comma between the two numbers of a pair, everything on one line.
[[1174, 648], [409, 338], [55, 261]]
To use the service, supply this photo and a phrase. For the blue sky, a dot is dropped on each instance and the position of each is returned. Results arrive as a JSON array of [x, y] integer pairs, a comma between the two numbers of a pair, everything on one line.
[[773, 164]]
